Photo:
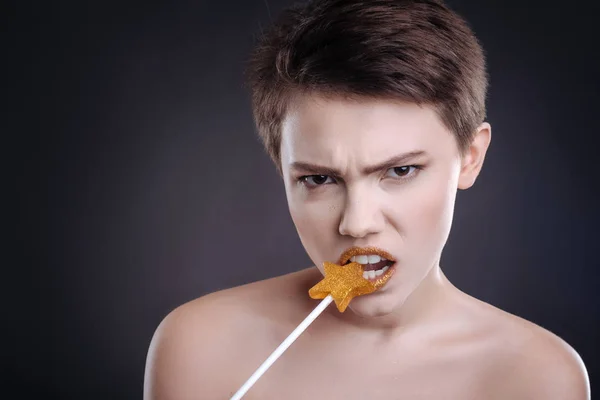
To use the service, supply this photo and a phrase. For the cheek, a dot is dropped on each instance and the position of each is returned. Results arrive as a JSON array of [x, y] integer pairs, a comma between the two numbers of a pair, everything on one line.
[[312, 219], [431, 213], [315, 222]]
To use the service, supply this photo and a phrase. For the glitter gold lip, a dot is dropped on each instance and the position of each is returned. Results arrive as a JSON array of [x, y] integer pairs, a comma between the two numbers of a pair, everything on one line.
[[363, 251]]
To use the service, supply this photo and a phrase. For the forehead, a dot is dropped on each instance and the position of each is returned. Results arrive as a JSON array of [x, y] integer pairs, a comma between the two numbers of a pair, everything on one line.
[[325, 130]]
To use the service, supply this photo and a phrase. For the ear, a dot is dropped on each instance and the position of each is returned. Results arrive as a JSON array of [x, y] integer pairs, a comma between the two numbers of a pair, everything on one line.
[[472, 160]]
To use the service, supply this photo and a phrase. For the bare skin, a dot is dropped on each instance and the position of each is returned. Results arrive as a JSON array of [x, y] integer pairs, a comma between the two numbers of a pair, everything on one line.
[[464, 349], [361, 174]]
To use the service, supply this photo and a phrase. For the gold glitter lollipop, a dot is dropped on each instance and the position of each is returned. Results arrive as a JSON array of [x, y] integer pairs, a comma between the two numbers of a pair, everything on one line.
[[343, 283]]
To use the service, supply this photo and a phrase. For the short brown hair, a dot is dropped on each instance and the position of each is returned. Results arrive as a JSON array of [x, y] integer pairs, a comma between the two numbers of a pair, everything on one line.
[[418, 51]]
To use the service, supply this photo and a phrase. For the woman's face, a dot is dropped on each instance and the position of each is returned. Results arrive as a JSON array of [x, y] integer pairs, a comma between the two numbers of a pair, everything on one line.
[[371, 174]]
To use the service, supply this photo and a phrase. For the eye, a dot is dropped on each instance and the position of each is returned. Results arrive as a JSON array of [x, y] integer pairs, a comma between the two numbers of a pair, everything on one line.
[[402, 172], [315, 180]]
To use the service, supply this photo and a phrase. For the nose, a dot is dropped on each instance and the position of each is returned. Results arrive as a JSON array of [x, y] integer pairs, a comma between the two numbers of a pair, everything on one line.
[[361, 215]]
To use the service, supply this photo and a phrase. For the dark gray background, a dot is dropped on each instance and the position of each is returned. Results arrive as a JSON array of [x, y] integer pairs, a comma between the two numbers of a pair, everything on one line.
[[140, 183]]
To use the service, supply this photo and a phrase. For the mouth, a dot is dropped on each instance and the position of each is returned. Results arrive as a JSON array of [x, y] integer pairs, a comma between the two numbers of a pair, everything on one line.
[[377, 264]]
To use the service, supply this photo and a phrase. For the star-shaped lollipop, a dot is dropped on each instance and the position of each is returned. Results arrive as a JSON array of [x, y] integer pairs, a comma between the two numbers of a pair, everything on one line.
[[343, 283]]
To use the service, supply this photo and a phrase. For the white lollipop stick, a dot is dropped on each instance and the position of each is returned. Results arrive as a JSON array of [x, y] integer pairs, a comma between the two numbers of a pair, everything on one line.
[[282, 347]]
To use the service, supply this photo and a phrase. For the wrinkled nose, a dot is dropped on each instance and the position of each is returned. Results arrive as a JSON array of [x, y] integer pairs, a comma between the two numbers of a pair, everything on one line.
[[361, 215]]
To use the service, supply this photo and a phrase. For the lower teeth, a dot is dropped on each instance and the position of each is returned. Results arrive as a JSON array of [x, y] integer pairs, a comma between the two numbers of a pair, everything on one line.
[[375, 274]]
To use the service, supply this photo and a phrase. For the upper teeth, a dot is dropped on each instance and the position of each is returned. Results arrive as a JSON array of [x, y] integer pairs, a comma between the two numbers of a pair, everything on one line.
[[367, 259]]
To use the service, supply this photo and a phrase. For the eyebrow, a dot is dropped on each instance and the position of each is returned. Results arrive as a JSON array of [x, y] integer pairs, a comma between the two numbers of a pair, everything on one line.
[[395, 161]]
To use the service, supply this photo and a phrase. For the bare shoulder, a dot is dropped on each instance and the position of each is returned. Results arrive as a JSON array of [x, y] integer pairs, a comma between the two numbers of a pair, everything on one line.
[[545, 366], [530, 362], [200, 347]]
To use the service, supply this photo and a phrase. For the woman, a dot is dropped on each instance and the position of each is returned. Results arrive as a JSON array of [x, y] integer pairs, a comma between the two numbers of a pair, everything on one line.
[[373, 112]]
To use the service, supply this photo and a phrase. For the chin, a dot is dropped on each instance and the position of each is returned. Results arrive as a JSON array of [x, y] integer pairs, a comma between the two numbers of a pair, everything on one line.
[[375, 305]]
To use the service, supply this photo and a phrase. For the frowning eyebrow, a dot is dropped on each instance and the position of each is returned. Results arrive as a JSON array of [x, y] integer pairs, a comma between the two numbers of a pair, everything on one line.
[[395, 161]]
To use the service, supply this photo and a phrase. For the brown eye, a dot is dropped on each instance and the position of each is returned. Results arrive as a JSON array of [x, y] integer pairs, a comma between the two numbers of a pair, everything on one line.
[[405, 171], [402, 171], [316, 180]]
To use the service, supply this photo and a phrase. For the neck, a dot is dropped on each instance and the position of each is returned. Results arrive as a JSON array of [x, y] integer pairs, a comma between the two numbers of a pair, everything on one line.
[[428, 302]]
